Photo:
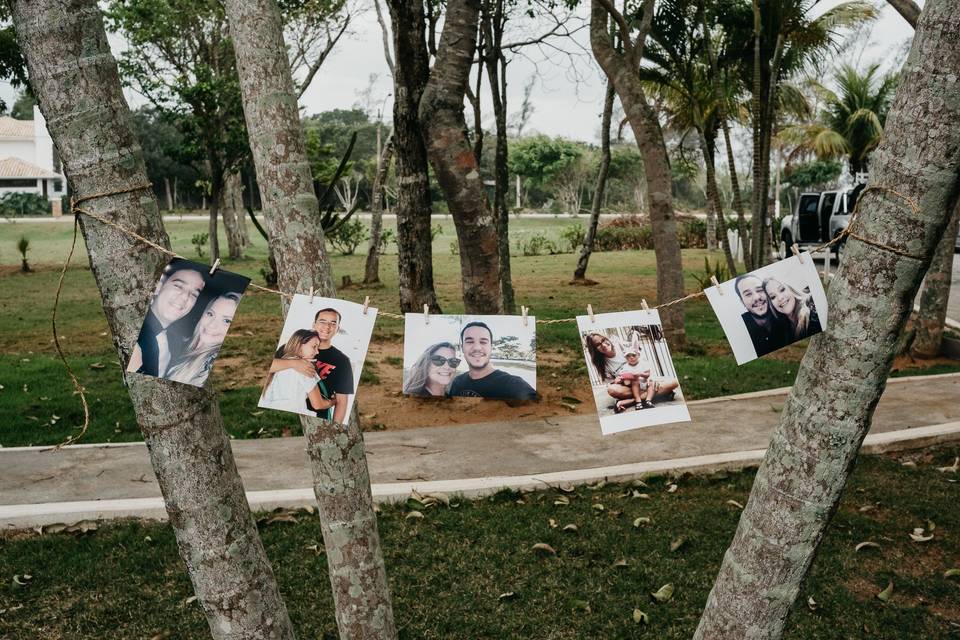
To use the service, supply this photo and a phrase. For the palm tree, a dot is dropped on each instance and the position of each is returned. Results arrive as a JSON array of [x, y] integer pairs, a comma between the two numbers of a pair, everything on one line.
[[851, 122]]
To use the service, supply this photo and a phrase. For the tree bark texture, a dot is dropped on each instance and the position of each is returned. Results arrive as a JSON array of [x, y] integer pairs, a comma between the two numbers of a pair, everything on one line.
[[742, 231], [413, 208], [338, 460], [646, 129], [908, 9], [844, 372], [371, 271], [936, 294], [451, 156], [75, 78], [586, 250], [234, 216], [496, 63]]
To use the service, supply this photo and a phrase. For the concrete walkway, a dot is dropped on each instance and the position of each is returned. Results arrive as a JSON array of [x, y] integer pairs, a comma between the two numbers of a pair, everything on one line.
[[40, 486]]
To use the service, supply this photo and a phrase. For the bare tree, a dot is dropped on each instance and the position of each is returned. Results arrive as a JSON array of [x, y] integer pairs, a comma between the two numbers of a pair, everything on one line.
[[586, 250], [844, 372], [312, 28], [65, 45], [338, 460], [413, 208], [622, 69], [371, 271], [453, 160]]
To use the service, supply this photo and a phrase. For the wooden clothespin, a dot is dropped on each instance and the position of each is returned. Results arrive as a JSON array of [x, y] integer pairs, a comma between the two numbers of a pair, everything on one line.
[[426, 314], [716, 283], [644, 305], [366, 304], [216, 263], [311, 294], [796, 251], [590, 313], [523, 311]]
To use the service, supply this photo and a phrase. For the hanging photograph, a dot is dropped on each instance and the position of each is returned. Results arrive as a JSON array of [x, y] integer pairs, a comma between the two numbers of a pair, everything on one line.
[[470, 356], [187, 322], [316, 368], [634, 382], [769, 308]]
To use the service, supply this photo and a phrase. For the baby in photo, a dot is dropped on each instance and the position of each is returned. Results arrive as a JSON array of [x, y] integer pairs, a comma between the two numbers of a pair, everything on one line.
[[635, 373]]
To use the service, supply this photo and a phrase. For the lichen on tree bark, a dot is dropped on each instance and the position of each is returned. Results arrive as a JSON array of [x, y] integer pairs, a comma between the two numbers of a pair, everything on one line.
[[844, 372], [75, 79]]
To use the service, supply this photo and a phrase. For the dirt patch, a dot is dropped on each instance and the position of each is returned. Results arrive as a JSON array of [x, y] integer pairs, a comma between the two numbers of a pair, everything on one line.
[[384, 407]]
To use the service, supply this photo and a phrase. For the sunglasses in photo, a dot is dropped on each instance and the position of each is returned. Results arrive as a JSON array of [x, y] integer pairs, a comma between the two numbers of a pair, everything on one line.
[[440, 360]]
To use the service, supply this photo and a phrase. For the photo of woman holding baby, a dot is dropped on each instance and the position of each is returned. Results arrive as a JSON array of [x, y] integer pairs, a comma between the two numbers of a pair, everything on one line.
[[629, 376]]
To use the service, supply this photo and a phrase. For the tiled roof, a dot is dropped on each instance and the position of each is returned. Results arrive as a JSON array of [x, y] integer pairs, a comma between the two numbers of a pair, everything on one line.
[[17, 168], [13, 128]]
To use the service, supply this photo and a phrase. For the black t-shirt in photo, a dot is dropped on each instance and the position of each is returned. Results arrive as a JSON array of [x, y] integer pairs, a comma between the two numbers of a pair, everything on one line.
[[769, 338], [499, 384]]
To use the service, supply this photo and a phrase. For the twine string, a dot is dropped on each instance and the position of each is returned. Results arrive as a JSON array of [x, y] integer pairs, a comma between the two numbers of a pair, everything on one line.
[[77, 211]]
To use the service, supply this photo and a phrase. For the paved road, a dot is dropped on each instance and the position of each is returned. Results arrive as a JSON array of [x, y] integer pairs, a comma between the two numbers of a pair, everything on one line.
[[513, 448]]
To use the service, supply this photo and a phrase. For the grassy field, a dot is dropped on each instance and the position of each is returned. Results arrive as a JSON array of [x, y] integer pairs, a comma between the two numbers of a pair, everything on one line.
[[468, 571], [38, 405]]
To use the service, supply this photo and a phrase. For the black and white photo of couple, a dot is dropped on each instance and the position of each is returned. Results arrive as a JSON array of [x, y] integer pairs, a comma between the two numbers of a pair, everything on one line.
[[632, 374], [470, 356], [316, 367], [187, 321], [770, 308]]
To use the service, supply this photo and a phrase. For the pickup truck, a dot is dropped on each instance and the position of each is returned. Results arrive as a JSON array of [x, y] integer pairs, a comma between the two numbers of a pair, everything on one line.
[[819, 217]]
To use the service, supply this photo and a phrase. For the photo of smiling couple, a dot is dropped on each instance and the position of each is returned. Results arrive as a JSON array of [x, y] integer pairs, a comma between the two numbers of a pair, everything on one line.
[[470, 356], [316, 367], [770, 308]]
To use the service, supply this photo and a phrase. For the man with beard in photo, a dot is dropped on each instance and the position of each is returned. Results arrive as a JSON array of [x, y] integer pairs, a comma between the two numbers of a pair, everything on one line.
[[332, 366], [175, 297], [481, 380], [768, 330]]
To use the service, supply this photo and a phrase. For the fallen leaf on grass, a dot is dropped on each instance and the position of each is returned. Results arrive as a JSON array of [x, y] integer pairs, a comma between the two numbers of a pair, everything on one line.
[[599, 484], [620, 563], [553, 523], [190, 600], [676, 544], [735, 504], [884, 595], [672, 488], [812, 604], [640, 617], [642, 496], [597, 506], [81, 527], [951, 573], [21, 581], [918, 535], [544, 548], [506, 596], [952, 468], [866, 545], [562, 501], [317, 549], [664, 593], [413, 515], [642, 520], [97, 365], [572, 528]]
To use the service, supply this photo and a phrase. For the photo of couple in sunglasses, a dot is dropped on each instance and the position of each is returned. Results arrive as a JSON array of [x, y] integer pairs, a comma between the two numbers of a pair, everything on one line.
[[470, 356]]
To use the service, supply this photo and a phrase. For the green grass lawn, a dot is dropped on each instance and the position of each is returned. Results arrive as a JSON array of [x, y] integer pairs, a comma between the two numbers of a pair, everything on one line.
[[468, 571], [38, 404]]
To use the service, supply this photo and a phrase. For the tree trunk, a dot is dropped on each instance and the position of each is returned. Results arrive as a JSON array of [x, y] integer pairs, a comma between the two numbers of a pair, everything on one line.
[[371, 272], [936, 294], [742, 231], [231, 208], [493, 24], [646, 129], [843, 374], [338, 460], [413, 208], [708, 147], [216, 187], [166, 184], [586, 250], [908, 9], [452, 159], [756, 111], [65, 45]]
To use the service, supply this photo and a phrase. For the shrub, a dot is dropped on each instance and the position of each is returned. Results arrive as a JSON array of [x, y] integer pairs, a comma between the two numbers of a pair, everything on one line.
[[347, 236], [435, 230], [23, 245], [719, 271], [573, 235], [454, 248], [538, 244], [630, 233], [386, 237], [692, 233], [199, 241], [13, 205]]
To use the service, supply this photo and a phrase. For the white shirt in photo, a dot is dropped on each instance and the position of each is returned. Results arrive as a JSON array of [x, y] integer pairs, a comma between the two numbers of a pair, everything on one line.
[[288, 391]]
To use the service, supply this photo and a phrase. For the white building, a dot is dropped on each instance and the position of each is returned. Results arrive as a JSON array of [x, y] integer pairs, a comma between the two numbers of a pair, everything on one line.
[[27, 160]]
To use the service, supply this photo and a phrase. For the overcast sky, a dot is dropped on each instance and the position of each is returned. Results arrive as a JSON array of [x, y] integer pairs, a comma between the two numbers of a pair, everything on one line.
[[567, 92]]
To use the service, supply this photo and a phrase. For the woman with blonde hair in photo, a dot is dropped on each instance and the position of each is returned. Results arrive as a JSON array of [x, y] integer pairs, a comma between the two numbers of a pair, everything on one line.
[[208, 334], [290, 390], [433, 371], [797, 308]]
